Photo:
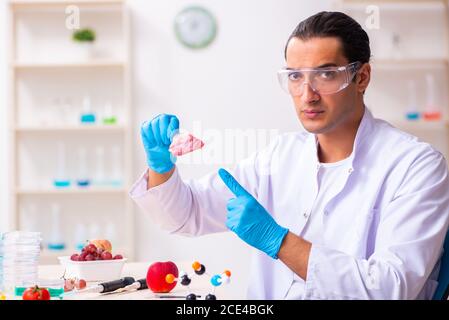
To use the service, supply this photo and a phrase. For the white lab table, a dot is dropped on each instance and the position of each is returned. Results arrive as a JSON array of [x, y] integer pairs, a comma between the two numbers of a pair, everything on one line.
[[200, 285]]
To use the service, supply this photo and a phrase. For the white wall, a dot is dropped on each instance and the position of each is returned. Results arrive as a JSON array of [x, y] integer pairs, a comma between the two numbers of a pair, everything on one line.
[[231, 84]]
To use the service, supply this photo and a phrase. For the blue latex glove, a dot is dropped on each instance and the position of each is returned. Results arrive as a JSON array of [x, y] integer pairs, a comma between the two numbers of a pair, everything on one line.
[[157, 136], [250, 221]]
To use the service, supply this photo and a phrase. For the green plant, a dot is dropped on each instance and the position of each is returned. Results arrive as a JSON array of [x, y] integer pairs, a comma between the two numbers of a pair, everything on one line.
[[84, 35]]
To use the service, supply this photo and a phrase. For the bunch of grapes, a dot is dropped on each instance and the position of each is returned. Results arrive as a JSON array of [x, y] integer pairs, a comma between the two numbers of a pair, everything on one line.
[[92, 253]]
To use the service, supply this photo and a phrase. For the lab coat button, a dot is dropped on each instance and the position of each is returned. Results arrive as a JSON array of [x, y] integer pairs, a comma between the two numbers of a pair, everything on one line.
[[350, 170], [306, 215]]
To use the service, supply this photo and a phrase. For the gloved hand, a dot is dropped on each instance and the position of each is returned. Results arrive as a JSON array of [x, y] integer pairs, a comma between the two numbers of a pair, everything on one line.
[[157, 136], [250, 221]]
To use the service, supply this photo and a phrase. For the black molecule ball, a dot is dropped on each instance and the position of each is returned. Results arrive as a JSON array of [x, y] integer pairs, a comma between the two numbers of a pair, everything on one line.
[[185, 280], [201, 271], [191, 296]]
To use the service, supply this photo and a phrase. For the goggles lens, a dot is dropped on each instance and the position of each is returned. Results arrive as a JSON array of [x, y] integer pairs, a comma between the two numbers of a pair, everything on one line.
[[322, 80]]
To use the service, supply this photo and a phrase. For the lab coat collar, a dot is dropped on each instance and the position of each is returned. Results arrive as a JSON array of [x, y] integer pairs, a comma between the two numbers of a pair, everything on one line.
[[364, 130]]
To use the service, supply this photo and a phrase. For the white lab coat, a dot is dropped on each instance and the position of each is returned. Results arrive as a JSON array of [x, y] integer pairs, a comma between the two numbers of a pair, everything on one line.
[[383, 228]]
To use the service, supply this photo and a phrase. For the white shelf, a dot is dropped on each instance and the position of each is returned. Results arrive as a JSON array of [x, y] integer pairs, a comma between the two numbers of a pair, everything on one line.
[[420, 125], [86, 64], [72, 191], [407, 64], [36, 78], [79, 128], [414, 2], [396, 5], [26, 3]]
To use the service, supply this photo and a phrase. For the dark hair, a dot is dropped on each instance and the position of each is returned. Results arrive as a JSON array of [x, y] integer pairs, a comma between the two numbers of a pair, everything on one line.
[[354, 39]]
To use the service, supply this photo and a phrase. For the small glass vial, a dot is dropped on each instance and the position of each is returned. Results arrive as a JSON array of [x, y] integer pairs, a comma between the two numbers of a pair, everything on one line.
[[67, 116], [56, 107], [432, 112], [412, 108], [81, 236], [116, 179], [83, 179], [61, 180], [87, 116], [28, 221], [56, 241], [99, 178], [109, 118]]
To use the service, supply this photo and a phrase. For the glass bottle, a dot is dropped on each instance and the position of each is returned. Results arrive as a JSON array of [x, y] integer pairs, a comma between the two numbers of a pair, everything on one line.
[[61, 180], [432, 111]]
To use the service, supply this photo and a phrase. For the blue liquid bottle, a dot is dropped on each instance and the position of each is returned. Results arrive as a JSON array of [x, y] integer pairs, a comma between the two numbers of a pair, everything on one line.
[[116, 177], [87, 116], [61, 180], [83, 179], [56, 241], [412, 108], [99, 178], [80, 236]]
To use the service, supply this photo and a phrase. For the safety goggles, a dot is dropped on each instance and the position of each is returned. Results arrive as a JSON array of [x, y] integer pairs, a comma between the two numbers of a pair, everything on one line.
[[325, 80]]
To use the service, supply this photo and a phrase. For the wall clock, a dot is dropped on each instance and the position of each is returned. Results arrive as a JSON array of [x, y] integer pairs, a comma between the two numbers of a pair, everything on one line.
[[195, 27]]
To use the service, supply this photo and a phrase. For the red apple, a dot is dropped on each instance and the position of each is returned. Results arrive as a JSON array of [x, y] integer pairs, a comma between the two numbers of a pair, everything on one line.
[[156, 276]]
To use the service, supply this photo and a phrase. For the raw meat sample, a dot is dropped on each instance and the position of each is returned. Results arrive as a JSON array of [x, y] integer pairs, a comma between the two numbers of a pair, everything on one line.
[[184, 143]]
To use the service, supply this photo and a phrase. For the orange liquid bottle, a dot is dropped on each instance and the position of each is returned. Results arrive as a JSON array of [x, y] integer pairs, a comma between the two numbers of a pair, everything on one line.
[[432, 112]]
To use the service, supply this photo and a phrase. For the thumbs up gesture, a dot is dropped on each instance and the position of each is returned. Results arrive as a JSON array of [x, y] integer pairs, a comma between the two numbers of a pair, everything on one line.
[[250, 221]]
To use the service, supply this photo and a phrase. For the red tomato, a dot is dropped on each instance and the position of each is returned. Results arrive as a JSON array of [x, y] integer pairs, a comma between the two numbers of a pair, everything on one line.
[[36, 293]]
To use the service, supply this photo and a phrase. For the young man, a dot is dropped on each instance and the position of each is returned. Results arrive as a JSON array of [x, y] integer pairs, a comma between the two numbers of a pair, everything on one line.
[[351, 209]]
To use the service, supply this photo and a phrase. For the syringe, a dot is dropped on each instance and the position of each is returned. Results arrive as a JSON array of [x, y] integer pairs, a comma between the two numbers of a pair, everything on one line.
[[140, 284], [105, 286]]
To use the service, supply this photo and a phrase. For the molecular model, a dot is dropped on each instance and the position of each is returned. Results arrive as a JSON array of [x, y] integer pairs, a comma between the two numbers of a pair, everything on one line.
[[185, 279]]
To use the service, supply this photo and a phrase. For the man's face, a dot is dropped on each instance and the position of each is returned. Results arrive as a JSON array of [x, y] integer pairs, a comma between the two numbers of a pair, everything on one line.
[[321, 114]]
